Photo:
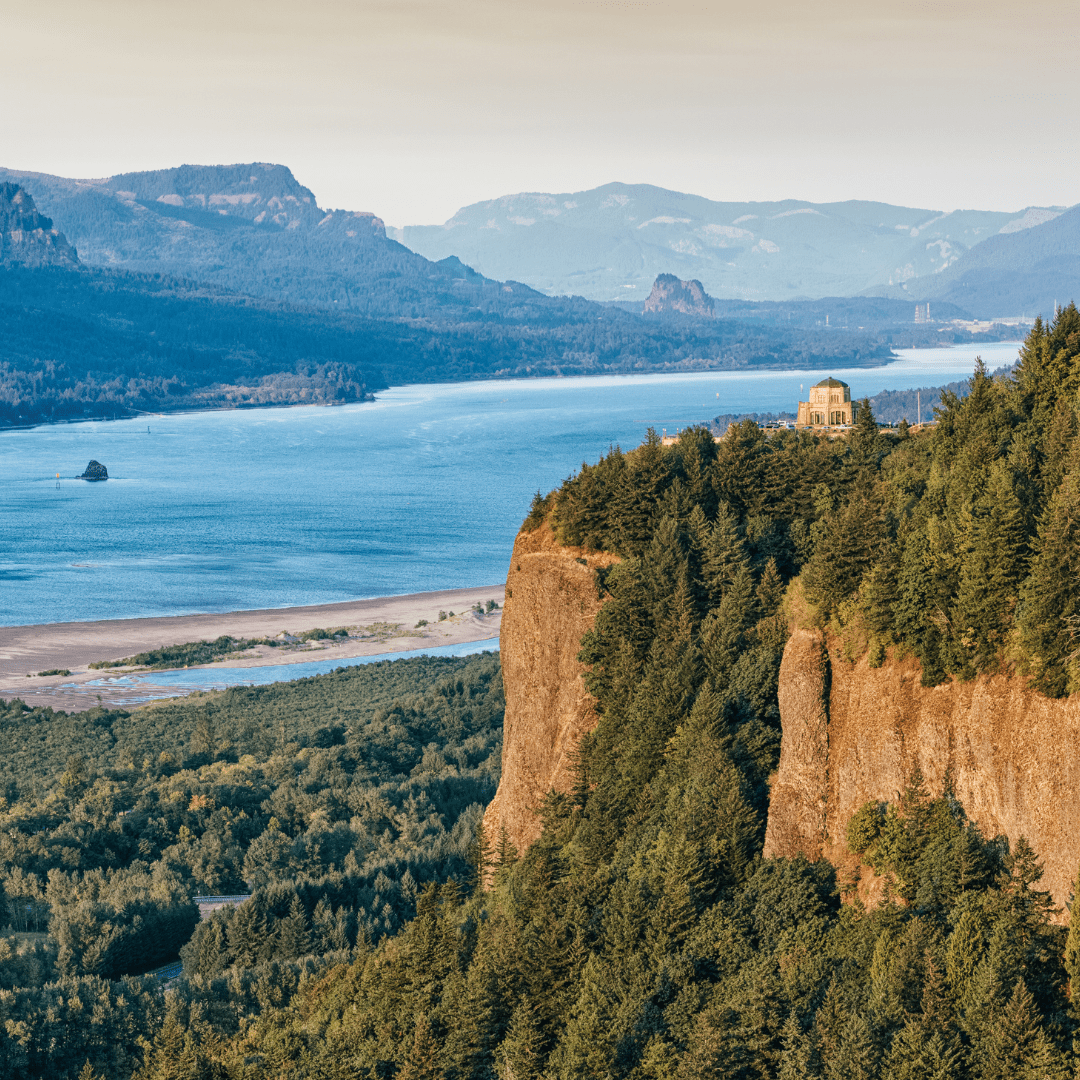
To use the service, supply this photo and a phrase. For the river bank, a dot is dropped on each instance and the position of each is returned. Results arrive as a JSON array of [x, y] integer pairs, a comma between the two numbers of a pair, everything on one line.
[[377, 626]]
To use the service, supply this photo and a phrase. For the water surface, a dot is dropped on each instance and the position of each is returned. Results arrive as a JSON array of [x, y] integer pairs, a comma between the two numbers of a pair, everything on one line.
[[422, 489]]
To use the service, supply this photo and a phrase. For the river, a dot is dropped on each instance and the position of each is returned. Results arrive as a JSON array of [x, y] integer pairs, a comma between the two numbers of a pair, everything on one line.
[[422, 489]]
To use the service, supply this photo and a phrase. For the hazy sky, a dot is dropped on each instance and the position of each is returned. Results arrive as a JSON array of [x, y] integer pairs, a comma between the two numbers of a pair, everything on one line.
[[412, 108]]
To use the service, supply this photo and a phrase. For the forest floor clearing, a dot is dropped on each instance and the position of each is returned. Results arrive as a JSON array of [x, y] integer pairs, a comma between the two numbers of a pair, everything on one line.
[[375, 626]]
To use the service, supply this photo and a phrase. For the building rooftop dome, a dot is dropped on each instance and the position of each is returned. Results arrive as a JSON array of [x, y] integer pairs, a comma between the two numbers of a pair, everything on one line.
[[831, 382]]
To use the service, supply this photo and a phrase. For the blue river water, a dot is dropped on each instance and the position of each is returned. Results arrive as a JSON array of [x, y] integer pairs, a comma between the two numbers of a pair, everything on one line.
[[422, 489], [178, 683]]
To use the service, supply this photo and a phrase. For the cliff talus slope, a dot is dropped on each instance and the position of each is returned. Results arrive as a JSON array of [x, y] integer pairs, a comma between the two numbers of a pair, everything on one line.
[[551, 601], [853, 733]]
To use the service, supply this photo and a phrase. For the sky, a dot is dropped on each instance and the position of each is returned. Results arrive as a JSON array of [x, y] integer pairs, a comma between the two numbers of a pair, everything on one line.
[[413, 108]]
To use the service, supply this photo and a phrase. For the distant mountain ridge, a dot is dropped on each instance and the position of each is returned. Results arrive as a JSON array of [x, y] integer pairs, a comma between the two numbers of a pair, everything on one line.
[[220, 286], [1022, 272], [611, 242], [253, 229]]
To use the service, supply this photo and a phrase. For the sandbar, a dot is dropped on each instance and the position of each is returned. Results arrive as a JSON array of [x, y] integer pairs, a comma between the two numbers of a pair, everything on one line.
[[26, 650]]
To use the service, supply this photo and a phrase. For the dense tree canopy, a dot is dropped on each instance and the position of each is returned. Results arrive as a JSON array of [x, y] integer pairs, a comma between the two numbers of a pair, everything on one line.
[[642, 936]]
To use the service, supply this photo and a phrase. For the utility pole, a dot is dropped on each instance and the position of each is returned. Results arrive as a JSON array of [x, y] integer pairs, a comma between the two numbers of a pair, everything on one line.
[[918, 399]]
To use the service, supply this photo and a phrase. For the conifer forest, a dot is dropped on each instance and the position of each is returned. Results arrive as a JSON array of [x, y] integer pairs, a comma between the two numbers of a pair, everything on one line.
[[643, 935]]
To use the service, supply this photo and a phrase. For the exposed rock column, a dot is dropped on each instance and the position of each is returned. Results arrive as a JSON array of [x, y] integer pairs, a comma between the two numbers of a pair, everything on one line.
[[551, 601], [798, 800]]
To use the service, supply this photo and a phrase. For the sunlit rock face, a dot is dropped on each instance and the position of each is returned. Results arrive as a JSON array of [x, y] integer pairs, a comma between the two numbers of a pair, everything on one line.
[[854, 733]]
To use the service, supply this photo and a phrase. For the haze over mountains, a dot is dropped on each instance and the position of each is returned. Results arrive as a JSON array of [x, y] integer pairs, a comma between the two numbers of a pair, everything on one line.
[[202, 287], [254, 229], [610, 243], [1022, 272]]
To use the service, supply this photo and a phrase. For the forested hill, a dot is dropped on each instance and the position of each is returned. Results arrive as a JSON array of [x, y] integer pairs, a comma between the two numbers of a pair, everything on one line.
[[642, 936], [82, 341], [98, 343], [229, 286], [1020, 272], [95, 342]]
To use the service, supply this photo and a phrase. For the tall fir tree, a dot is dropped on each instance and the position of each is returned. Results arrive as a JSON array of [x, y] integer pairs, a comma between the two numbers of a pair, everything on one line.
[[994, 553], [1050, 600], [294, 938]]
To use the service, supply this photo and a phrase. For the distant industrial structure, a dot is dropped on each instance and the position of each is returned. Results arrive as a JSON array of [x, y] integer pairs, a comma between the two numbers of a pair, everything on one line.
[[830, 405]]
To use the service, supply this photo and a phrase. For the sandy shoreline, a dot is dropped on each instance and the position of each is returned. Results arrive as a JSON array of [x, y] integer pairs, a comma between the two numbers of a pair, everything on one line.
[[73, 646]]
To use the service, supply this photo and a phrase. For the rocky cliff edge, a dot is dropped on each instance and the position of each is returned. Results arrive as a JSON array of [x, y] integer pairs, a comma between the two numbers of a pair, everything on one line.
[[852, 733], [551, 601]]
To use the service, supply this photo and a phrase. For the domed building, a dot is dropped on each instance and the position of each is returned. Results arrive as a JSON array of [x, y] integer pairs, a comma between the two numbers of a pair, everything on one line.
[[830, 405]]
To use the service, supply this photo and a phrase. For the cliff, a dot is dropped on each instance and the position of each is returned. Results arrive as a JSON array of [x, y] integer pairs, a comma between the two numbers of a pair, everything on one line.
[[852, 733], [27, 238], [551, 600]]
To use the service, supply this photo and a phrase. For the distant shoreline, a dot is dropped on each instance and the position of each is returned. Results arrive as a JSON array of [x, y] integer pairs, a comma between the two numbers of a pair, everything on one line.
[[686, 367], [73, 646]]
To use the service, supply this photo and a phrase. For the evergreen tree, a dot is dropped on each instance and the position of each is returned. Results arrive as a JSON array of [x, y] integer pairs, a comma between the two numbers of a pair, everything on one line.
[[520, 1055], [1014, 1043], [722, 553], [171, 1055], [659, 1060], [505, 852], [475, 1013], [1056, 447], [797, 1060], [855, 1056], [770, 590], [1050, 617], [207, 953], [322, 925], [848, 543], [585, 1049], [863, 440], [1072, 949], [247, 934], [479, 858], [919, 1054], [294, 939], [992, 564], [929, 1044], [422, 1059]]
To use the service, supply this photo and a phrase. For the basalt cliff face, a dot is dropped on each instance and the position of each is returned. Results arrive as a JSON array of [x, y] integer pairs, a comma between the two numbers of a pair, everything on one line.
[[853, 733], [551, 601]]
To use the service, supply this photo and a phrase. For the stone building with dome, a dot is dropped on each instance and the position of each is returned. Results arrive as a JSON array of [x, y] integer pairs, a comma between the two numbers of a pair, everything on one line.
[[830, 405]]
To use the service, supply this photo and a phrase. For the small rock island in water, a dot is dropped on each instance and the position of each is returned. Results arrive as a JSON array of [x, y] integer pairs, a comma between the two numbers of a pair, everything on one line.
[[95, 471]]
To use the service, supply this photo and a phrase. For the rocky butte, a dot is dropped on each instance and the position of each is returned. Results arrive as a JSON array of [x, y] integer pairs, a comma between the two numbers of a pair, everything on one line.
[[669, 294], [28, 238]]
